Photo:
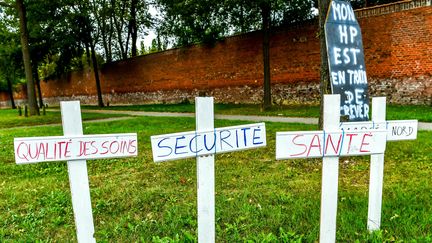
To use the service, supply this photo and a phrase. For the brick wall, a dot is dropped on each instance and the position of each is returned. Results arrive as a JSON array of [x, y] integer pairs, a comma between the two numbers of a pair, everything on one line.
[[397, 48], [20, 96]]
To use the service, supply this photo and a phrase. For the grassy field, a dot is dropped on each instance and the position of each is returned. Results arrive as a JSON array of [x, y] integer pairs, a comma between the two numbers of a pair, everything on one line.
[[10, 118], [394, 112], [258, 199]]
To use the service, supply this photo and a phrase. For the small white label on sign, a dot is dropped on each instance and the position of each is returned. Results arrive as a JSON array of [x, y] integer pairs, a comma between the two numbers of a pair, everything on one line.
[[314, 144], [221, 140], [84, 147], [396, 130]]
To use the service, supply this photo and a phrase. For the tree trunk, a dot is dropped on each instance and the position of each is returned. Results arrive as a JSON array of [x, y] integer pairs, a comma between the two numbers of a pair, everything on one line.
[[105, 45], [127, 38], [10, 91], [38, 88], [159, 44], [120, 42], [110, 36], [105, 31], [87, 47], [265, 13], [31, 94], [134, 29], [41, 104], [119, 27], [96, 73], [325, 87]]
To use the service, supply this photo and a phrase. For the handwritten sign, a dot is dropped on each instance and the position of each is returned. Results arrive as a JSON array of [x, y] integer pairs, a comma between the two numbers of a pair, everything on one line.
[[62, 148], [221, 140], [203, 144], [346, 61], [396, 130], [316, 144], [76, 149], [330, 144]]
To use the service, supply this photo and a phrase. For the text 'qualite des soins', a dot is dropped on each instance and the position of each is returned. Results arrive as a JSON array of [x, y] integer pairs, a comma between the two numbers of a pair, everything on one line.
[[58, 148]]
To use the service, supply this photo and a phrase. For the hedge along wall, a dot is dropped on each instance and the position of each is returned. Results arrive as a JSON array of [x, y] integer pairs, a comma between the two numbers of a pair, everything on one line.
[[398, 53]]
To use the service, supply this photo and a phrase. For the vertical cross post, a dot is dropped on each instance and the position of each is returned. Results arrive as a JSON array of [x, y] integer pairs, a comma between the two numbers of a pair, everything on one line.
[[330, 174], [376, 170], [78, 178], [205, 174]]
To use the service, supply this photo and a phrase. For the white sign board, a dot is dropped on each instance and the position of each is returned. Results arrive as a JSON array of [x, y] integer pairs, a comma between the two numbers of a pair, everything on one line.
[[316, 144], [68, 148], [346, 60], [220, 140], [76, 148], [203, 144], [396, 130]]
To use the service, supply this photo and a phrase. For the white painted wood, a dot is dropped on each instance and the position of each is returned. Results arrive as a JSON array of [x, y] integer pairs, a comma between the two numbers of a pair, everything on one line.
[[68, 148], [397, 130], [75, 148], [362, 125], [402, 130], [338, 143], [78, 179], [205, 174], [376, 170], [199, 143], [330, 174]]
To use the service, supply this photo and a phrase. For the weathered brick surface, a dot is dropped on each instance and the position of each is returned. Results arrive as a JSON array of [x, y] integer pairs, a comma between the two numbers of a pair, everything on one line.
[[397, 54]]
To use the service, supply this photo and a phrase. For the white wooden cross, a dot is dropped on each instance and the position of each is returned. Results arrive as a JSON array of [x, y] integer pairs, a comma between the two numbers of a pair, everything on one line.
[[330, 144], [203, 144], [397, 130], [76, 148]]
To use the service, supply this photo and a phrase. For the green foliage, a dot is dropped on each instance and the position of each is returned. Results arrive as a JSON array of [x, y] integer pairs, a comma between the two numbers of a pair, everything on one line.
[[296, 11], [48, 67], [61, 32], [198, 21], [10, 55], [191, 21], [155, 47]]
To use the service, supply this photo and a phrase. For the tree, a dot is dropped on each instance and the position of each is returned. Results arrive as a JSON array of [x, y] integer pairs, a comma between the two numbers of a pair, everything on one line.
[[272, 13], [103, 12], [7, 79], [56, 34], [132, 27], [82, 17], [325, 87], [192, 22], [10, 61], [43, 20], [266, 24], [197, 21], [119, 23], [31, 94], [60, 30]]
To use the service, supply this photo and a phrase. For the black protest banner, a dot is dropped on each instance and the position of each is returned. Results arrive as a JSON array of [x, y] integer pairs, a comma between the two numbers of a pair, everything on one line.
[[346, 61]]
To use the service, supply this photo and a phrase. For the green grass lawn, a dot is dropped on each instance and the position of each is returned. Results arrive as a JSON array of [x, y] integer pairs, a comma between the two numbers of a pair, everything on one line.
[[394, 112], [258, 199], [10, 118]]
